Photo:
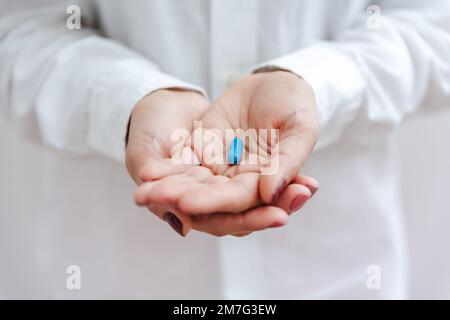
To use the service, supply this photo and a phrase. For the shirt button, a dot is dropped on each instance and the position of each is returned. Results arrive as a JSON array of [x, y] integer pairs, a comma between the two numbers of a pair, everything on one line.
[[232, 78]]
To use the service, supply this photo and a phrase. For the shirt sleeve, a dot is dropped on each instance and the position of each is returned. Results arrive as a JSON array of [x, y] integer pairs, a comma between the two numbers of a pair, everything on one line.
[[76, 87], [368, 80]]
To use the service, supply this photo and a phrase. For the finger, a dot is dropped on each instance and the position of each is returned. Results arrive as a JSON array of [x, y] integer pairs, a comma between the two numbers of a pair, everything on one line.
[[167, 191], [290, 154], [158, 211], [311, 183], [160, 168], [208, 145], [294, 197], [241, 234], [235, 195], [142, 192], [181, 223], [257, 219], [159, 193], [297, 193], [157, 169]]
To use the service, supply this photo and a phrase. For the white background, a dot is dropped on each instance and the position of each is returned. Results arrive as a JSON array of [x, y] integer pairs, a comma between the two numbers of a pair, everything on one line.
[[426, 189]]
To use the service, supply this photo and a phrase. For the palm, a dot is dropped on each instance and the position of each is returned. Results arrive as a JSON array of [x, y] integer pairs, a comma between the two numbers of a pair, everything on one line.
[[282, 106], [153, 121]]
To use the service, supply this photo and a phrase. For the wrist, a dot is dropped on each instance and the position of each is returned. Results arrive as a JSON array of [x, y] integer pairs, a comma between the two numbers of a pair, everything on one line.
[[167, 93], [160, 101], [278, 72], [274, 69], [278, 75]]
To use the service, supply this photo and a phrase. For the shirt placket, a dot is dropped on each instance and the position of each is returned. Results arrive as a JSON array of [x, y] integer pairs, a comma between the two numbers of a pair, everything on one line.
[[233, 41], [233, 52]]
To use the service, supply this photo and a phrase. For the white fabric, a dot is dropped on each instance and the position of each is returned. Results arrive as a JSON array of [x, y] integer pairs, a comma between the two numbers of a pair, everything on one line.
[[77, 88]]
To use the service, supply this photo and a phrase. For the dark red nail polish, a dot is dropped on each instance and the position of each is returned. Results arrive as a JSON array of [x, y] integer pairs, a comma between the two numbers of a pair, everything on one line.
[[298, 202], [312, 189], [277, 225], [175, 223], [280, 188]]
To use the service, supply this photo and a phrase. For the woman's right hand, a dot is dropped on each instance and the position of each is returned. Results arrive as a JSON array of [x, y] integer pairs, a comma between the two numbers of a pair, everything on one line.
[[149, 147]]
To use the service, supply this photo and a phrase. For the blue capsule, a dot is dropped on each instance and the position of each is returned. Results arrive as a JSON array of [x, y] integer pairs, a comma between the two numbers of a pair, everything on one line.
[[235, 152]]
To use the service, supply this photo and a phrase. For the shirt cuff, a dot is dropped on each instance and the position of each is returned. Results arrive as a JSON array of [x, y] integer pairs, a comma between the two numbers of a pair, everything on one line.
[[336, 80], [114, 95]]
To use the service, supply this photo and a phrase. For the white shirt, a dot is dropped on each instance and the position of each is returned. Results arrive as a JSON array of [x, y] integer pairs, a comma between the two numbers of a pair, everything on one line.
[[76, 89]]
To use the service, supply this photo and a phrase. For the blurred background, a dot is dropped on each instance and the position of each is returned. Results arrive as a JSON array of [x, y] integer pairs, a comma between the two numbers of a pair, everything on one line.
[[24, 197], [425, 155]]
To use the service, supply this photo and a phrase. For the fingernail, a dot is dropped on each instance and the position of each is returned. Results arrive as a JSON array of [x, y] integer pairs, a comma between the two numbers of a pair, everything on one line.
[[279, 190], [313, 186], [277, 225], [175, 223], [298, 202]]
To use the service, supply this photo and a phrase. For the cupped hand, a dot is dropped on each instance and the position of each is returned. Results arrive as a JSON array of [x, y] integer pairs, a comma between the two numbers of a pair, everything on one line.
[[153, 121], [226, 199], [222, 205], [275, 114]]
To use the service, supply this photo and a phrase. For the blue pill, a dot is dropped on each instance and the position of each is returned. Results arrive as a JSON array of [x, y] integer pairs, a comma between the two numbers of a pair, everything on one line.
[[235, 152]]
